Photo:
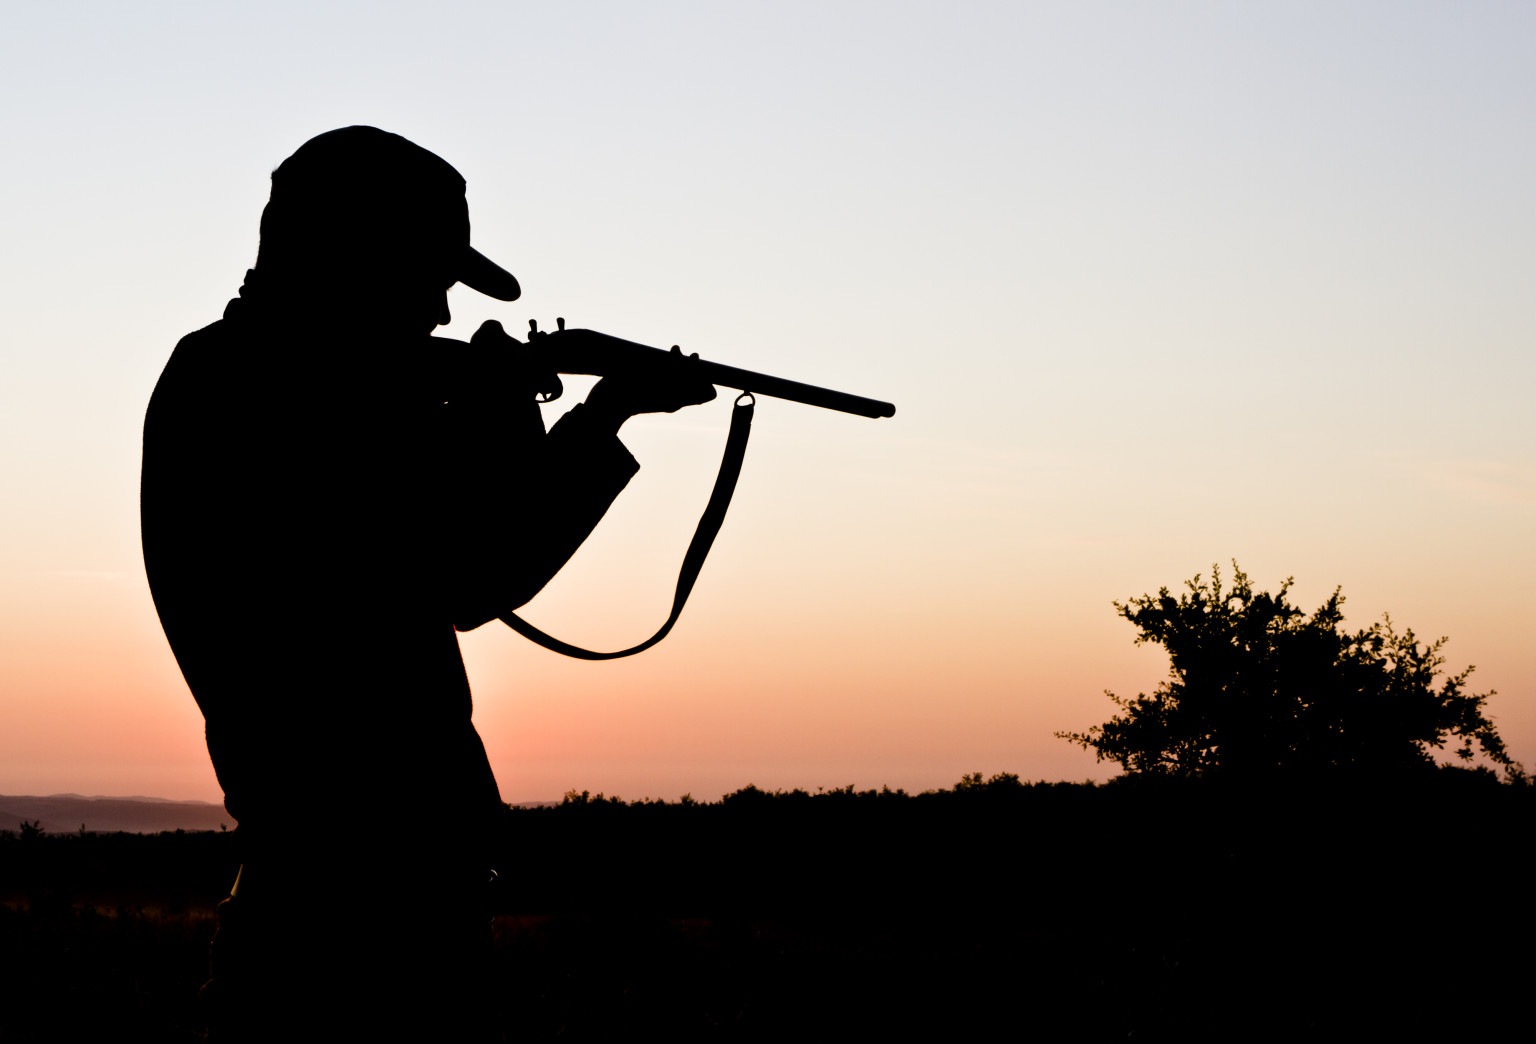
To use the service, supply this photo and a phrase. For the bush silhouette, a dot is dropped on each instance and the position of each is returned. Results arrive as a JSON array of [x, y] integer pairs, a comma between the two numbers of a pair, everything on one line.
[[1257, 688]]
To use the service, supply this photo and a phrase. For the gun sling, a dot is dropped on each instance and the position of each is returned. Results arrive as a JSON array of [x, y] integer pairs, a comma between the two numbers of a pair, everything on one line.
[[698, 547]]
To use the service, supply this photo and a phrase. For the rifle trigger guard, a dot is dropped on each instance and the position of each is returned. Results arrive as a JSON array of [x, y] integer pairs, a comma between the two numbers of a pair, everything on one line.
[[550, 394]]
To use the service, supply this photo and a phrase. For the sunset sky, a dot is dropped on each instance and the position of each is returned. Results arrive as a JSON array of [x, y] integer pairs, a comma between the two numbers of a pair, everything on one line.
[[1152, 285]]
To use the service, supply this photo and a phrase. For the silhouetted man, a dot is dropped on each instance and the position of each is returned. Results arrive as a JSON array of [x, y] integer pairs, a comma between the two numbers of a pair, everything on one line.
[[328, 492]]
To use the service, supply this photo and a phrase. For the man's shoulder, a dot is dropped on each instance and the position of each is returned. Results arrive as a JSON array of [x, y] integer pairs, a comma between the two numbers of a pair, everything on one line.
[[202, 363], [216, 346], [200, 344]]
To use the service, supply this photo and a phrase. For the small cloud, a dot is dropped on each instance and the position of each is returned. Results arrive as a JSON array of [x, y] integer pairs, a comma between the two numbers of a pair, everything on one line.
[[1502, 481]]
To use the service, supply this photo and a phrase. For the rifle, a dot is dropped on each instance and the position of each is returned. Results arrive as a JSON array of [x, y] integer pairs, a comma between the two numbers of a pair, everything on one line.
[[599, 355]]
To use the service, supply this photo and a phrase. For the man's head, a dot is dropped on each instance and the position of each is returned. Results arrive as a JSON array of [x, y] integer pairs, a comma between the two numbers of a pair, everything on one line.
[[367, 214]]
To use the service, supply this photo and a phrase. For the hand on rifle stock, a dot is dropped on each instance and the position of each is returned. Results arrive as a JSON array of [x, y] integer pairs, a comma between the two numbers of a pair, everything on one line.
[[663, 385], [645, 383], [529, 372]]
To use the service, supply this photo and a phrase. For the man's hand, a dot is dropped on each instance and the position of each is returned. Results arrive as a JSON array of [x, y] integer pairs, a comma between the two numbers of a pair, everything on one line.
[[653, 383], [528, 375], [665, 386], [492, 334]]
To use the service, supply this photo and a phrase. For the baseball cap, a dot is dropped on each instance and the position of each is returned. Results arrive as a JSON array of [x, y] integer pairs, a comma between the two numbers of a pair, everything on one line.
[[377, 189]]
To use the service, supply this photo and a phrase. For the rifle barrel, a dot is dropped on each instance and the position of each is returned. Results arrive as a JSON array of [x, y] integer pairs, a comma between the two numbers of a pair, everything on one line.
[[590, 352]]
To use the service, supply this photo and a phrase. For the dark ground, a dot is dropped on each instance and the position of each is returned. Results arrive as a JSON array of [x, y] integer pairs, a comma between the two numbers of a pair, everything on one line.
[[1060, 912]]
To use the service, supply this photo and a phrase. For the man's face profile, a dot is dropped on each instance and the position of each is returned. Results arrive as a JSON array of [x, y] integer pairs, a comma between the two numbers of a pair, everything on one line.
[[406, 289]]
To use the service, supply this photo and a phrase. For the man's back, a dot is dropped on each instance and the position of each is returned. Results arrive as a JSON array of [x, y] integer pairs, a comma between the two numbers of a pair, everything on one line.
[[298, 550]]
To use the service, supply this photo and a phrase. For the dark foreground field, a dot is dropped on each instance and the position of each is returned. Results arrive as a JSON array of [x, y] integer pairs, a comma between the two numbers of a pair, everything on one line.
[[1057, 912]]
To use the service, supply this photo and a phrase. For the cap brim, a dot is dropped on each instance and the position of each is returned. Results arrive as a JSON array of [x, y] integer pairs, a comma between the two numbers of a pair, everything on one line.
[[481, 273]]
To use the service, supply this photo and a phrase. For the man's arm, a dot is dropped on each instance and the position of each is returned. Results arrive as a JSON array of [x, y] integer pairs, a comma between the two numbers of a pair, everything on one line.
[[530, 499]]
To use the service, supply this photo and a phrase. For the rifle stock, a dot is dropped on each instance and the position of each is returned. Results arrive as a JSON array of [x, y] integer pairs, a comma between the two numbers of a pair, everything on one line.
[[598, 354]]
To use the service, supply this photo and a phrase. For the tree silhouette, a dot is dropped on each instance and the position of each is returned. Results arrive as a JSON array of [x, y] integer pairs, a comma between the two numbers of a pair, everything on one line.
[[1257, 688]]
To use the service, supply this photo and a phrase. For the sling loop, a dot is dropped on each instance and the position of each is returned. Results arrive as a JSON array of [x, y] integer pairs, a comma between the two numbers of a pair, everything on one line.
[[698, 547]]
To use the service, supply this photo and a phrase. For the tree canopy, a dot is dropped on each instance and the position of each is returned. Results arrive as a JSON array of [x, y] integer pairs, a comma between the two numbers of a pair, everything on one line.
[[1257, 687]]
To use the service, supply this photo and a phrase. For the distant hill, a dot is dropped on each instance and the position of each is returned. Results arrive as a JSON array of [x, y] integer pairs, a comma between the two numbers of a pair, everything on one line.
[[65, 813]]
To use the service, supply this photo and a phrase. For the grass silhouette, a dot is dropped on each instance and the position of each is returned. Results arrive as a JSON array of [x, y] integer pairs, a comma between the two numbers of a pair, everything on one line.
[[1116, 912]]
